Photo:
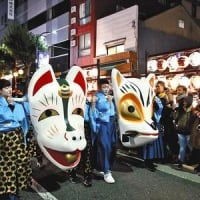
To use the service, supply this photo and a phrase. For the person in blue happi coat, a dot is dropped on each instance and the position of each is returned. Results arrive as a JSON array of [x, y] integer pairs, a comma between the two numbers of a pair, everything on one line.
[[103, 118], [154, 151], [15, 160]]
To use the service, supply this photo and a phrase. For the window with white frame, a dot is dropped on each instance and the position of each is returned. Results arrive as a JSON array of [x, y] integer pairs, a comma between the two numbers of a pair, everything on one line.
[[115, 49], [85, 44], [115, 46], [85, 12]]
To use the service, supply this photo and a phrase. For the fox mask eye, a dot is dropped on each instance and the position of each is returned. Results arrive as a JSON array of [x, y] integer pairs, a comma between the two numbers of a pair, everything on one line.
[[48, 113], [78, 111], [129, 111]]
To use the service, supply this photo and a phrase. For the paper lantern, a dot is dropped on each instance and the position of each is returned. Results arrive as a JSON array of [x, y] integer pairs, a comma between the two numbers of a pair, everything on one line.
[[94, 72], [194, 59], [152, 65], [172, 62], [162, 78], [173, 82], [183, 61], [195, 80], [183, 80], [162, 65]]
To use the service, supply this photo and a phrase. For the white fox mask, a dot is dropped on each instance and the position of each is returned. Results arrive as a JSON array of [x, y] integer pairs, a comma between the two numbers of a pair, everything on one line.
[[134, 102], [57, 114]]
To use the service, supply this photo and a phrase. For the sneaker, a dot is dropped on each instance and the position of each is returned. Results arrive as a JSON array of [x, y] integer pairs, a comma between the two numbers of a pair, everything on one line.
[[108, 178]]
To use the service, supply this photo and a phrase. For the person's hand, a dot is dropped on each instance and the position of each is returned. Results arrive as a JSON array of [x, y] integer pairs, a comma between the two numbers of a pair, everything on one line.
[[10, 100], [93, 99], [109, 98]]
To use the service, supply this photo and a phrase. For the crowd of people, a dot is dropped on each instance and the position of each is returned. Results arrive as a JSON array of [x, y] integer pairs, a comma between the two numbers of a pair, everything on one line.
[[177, 123]]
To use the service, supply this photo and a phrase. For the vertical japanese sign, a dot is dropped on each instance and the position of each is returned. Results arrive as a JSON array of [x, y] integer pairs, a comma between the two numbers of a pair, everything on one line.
[[43, 58], [11, 9]]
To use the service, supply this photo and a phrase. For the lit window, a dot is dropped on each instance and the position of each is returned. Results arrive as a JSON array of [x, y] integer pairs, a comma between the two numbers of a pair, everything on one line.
[[115, 46], [85, 12], [115, 49], [84, 44], [181, 23]]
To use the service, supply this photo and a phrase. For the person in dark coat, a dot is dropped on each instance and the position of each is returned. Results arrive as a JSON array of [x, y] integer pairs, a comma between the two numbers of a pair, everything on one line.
[[170, 138], [184, 118]]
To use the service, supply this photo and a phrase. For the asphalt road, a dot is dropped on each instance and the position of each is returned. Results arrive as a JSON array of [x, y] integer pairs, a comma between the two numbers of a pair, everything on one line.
[[133, 182]]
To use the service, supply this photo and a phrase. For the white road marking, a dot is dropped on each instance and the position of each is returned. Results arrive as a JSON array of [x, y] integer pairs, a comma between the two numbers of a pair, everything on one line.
[[42, 192], [168, 169], [179, 173]]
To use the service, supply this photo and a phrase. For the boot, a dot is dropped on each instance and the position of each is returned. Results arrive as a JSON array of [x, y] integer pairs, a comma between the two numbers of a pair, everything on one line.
[[73, 177], [87, 182], [197, 169], [149, 165]]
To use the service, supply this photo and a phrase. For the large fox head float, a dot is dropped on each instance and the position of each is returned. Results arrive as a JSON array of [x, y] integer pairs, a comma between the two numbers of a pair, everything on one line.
[[134, 102], [57, 114]]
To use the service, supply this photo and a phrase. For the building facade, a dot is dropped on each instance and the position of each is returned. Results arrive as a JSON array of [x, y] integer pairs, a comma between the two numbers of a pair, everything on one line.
[[75, 29], [49, 18]]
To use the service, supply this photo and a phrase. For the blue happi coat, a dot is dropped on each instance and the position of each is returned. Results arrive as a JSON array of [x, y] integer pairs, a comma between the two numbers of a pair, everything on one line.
[[9, 120]]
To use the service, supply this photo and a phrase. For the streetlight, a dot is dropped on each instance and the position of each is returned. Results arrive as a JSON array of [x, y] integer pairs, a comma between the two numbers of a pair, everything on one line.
[[44, 44]]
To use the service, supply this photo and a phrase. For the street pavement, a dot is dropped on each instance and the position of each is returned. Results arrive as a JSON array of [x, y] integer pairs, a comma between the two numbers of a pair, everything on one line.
[[133, 182]]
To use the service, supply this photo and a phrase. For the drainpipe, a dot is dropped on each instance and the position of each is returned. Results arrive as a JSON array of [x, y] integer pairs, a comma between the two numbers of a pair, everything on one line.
[[98, 71]]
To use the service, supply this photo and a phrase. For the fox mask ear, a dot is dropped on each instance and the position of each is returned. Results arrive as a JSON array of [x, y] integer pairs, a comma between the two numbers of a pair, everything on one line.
[[76, 75], [42, 77], [117, 78], [151, 78]]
